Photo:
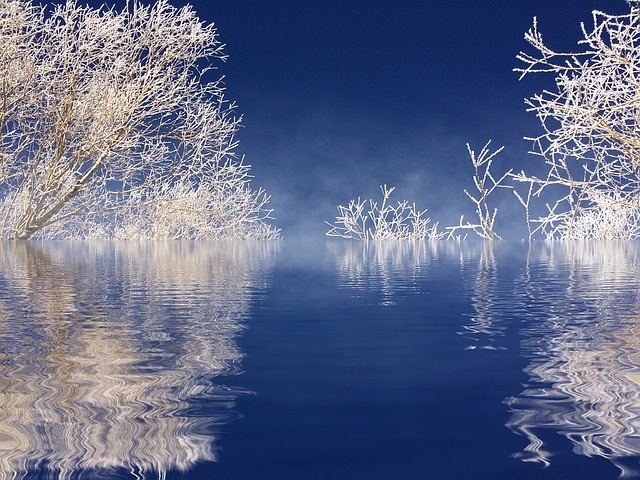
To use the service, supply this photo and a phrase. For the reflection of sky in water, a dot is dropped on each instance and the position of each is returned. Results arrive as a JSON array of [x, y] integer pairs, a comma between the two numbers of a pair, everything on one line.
[[106, 347]]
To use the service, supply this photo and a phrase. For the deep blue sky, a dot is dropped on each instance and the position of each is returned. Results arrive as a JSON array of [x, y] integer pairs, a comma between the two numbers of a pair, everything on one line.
[[340, 96]]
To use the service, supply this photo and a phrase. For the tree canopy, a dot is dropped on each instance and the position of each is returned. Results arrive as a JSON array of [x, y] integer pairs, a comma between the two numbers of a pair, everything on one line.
[[114, 124], [591, 129]]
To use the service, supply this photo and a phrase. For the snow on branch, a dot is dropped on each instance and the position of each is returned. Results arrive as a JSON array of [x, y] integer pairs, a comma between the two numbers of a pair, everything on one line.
[[485, 184], [591, 131], [111, 117], [366, 220]]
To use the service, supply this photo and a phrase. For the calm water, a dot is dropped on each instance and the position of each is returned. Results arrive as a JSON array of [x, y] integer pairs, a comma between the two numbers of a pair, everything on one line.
[[333, 360]]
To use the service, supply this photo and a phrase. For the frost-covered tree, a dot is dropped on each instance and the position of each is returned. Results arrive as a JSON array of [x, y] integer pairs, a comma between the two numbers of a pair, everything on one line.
[[591, 137], [112, 123]]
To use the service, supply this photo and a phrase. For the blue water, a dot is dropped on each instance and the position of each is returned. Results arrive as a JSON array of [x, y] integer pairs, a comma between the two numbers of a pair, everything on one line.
[[319, 360]]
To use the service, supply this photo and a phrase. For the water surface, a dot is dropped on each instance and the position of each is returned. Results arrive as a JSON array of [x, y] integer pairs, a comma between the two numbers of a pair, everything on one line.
[[341, 360]]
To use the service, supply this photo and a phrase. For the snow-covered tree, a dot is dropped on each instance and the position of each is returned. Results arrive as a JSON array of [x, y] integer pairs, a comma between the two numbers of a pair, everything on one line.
[[113, 123], [591, 130]]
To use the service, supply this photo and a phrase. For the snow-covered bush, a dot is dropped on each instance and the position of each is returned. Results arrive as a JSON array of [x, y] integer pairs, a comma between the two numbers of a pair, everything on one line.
[[366, 220]]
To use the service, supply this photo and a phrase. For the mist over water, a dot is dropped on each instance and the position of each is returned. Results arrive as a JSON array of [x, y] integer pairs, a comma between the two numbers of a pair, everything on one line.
[[331, 157]]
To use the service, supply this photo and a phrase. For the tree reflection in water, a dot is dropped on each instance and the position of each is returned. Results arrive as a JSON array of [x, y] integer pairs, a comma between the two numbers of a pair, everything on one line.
[[107, 348], [580, 306], [479, 269], [386, 267], [570, 310]]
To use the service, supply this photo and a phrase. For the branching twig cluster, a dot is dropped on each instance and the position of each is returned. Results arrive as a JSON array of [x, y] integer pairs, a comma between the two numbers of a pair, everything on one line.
[[366, 220], [404, 221], [591, 123], [485, 184]]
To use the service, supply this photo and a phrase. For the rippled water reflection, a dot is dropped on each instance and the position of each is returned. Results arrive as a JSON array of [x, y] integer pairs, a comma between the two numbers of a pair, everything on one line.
[[359, 360], [105, 347], [570, 310], [386, 267], [581, 340]]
